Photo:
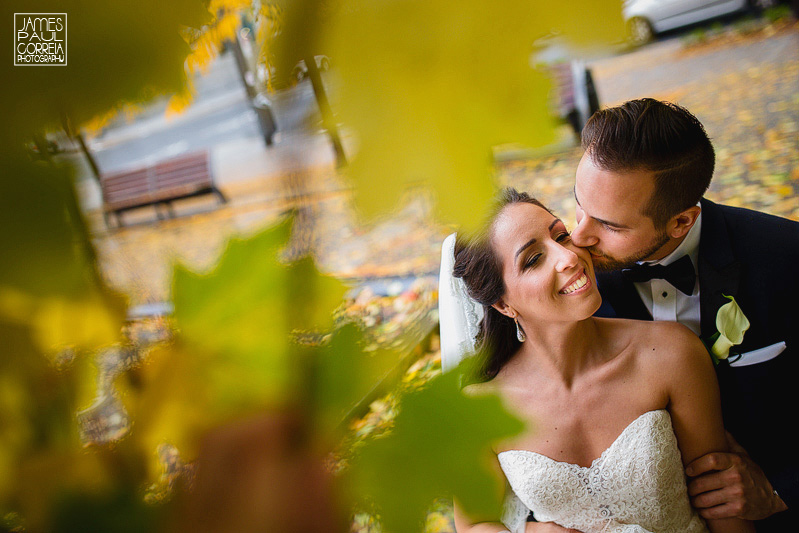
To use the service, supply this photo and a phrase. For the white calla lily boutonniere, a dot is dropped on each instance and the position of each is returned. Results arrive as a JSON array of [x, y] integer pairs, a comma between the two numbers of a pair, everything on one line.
[[731, 324]]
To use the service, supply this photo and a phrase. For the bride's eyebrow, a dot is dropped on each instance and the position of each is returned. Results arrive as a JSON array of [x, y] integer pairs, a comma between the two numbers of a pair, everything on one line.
[[532, 241], [523, 247]]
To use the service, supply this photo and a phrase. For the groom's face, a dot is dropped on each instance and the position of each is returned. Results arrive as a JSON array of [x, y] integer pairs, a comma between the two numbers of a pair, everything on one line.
[[611, 222]]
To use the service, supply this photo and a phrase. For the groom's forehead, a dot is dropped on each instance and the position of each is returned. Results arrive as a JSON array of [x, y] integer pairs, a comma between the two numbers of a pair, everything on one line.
[[606, 190], [609, 217]]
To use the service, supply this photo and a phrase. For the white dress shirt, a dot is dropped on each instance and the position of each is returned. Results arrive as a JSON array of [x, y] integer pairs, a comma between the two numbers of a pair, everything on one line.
[[664, 301]]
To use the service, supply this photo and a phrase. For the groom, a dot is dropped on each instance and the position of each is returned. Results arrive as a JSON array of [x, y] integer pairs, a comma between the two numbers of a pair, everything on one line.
[[639, 190]]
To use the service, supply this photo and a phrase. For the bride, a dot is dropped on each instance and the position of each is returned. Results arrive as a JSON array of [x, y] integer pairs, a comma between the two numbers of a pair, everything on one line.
[[603, 399]]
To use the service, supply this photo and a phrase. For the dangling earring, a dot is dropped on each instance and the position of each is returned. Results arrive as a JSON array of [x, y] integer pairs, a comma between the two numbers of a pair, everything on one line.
[[519, 331]]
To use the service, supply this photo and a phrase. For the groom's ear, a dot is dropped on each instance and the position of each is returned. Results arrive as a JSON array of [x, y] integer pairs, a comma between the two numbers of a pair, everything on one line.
[[680, 223], [504, 308]]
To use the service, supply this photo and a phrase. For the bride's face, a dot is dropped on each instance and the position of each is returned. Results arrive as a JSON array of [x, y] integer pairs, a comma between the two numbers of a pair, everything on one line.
[[547, 278]]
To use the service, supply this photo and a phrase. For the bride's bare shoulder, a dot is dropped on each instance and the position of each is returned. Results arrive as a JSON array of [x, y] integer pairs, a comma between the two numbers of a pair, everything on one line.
[[661, 339], [664, 342]]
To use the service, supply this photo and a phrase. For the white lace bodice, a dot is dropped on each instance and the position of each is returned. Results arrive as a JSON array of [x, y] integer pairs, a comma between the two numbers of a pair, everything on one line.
[[636, 485]]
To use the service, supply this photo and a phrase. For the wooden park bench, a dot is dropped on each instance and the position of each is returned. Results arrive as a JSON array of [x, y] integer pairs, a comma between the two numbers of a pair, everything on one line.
[[173, 179]]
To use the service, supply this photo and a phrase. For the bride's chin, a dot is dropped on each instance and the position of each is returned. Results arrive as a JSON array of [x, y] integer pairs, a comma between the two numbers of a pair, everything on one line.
[[593, 304]]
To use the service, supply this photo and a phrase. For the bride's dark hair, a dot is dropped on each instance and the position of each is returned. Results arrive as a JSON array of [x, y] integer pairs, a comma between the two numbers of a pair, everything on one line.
[[477, 263]]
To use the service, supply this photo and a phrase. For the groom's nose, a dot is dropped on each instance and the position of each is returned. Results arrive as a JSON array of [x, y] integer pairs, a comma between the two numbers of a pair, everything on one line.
[[583, 235]]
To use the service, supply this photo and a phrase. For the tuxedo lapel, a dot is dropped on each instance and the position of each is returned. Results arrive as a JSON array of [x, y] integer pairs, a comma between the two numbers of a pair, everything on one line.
[[622, 296], [719, 272]]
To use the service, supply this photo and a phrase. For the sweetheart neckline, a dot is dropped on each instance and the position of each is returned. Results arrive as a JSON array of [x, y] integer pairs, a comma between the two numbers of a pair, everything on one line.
[[601, 456]]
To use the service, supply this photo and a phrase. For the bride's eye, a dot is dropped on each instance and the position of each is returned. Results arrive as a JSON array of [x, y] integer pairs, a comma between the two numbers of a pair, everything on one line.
[[563, 236], [531, 261]]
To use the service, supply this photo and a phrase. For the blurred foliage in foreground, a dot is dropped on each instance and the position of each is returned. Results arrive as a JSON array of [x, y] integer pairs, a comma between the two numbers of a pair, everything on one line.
[[91, 418]]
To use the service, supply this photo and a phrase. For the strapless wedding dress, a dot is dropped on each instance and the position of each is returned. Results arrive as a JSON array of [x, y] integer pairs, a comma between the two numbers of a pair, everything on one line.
[[637, 485]]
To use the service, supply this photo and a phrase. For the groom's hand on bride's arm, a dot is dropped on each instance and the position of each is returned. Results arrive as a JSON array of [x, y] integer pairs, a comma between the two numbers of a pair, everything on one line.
[[727, 485]]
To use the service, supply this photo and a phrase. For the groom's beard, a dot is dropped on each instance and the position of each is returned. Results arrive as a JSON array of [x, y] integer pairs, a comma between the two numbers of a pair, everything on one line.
[[607, 263]]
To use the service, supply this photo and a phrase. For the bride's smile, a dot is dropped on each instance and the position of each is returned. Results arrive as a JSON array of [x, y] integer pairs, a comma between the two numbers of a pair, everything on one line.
[[581, 282]]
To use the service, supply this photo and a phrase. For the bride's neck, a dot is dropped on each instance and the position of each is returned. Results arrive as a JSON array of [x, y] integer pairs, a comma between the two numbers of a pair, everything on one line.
[[565, 349]]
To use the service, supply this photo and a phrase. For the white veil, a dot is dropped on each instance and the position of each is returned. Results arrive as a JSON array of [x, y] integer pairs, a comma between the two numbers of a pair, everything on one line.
[[458, 315]]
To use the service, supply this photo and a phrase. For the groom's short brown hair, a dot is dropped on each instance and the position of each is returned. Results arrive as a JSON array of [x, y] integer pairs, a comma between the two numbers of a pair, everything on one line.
[[661, 137]]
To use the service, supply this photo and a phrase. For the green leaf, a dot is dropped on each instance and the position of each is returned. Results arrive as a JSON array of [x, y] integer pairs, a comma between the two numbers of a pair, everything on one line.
[[345, 374], [50, 280], [121, 510], [234, 353], [251, 302], [439, 447], [53, 300]]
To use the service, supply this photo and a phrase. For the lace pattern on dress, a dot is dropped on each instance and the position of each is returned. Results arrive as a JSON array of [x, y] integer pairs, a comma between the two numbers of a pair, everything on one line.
[[514, 512], [636, 485]]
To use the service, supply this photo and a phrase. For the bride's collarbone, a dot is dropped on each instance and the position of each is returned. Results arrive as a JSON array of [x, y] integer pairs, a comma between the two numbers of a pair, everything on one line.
[[578, 421]]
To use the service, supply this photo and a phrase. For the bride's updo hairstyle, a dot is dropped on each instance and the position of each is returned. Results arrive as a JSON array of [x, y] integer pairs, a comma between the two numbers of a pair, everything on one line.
[[477, 263]]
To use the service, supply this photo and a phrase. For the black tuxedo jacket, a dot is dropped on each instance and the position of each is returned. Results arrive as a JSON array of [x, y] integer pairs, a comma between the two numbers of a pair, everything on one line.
[[755, 258]]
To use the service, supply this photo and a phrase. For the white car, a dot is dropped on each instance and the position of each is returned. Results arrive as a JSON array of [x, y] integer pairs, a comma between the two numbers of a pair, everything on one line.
[[645, 18]]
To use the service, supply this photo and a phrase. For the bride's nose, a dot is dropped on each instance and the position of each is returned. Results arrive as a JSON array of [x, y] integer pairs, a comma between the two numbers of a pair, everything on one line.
[[566, 258]]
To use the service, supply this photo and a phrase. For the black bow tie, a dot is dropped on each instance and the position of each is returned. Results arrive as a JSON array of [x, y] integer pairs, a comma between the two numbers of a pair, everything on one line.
[[680, 274]]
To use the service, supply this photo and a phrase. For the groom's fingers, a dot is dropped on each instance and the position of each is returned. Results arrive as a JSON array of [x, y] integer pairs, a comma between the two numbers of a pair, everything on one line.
[[715, 490], [720, 511], [724, 502], [729, 485], [714, 497], [706, 483], [710, 462]]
